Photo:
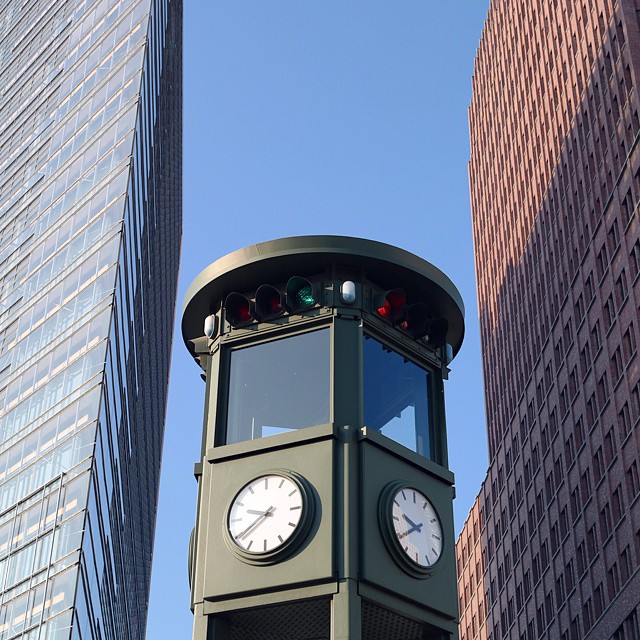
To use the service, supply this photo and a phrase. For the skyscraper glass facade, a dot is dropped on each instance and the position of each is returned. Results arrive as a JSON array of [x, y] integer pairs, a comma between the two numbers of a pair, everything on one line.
[[551, 548], [90, 225]]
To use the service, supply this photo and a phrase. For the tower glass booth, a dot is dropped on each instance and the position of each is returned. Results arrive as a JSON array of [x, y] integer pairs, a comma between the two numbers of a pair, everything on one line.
[[324, 495]]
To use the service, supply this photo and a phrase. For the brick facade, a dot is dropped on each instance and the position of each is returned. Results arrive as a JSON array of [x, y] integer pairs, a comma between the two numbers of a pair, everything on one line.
[[551, 548]]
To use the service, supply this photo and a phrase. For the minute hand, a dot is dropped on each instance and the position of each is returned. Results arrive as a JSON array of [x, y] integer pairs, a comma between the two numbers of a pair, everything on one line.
[[255, 523]]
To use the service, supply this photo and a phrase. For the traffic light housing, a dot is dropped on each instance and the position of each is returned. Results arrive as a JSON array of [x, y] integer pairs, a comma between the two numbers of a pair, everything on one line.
[[436, 334], [391, 305], [413, 319], [269, 303], [239, 310], [301, 295]]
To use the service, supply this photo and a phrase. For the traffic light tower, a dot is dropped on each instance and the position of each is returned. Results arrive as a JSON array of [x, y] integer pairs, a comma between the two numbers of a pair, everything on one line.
[[324, 495]]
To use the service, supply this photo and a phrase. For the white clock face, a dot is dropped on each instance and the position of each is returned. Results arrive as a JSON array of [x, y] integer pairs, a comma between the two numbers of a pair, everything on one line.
[[417, 527], [265, 514]]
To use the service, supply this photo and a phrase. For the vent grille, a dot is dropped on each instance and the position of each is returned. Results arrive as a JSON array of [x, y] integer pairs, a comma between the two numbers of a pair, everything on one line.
[[304, 620], [382, 624]]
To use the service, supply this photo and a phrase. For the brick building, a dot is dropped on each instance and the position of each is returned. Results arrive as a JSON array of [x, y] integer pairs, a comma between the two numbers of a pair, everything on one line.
[[551, 548]]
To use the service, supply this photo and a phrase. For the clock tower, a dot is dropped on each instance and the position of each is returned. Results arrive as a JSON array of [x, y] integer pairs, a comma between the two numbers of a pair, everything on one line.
[[324, 496]]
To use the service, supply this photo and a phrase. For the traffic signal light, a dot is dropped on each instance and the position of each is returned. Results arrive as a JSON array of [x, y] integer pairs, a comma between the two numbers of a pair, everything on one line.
[[391, 305], [414, 319], [436, 333], [238, 310], [300, 294], [269, 303]]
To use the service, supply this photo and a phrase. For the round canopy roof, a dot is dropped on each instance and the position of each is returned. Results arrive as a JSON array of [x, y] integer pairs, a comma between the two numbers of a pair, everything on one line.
[[277, 260]]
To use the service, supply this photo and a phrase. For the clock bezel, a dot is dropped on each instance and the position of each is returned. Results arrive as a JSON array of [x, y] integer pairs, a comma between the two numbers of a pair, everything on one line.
[[294, 541], [385, 521]]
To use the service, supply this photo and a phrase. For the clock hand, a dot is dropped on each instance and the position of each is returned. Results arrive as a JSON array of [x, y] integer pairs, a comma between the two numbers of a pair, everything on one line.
[[411, 522], [257, 521], [259, 513], [416, 527]]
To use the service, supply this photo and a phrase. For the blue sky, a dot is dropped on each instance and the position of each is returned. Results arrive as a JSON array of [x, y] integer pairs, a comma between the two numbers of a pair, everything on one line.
[[333, 117]]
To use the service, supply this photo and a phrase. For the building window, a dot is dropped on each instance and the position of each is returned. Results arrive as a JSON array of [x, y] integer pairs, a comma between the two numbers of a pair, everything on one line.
[[279, 386], [397, 397]]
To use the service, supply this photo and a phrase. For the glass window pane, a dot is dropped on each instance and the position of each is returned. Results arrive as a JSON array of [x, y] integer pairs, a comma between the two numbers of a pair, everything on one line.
[[396, 397], [279, 386]]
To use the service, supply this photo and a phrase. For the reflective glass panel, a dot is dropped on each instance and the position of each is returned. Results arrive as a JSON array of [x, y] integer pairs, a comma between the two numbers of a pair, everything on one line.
[[279, 386], [396, 397]]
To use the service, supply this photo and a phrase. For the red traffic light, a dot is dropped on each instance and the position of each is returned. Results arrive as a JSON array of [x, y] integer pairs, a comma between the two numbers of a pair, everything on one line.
[[238, 310], [391, 305], [413, 319], [269, 303]]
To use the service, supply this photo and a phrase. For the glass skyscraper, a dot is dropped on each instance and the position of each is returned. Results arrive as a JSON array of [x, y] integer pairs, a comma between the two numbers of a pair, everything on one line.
[[90, 227]]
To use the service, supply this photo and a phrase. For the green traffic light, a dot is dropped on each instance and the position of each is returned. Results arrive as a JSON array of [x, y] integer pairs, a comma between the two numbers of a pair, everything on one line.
[[304, 297]]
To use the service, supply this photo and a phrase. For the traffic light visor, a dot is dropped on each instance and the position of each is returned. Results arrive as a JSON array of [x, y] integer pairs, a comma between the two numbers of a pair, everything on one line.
[[238, 311], [415, 320], [391, 305], [269, 303], [300, 294], [436, 332]]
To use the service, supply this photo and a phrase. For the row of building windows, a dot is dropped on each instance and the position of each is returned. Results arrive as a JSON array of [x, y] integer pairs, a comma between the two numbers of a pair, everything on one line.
[[63, 244], [570, 237], [547, 546]]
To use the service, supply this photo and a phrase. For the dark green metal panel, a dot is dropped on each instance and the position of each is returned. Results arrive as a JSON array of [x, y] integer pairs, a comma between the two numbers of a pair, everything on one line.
[[381, 466], [347, 387], [229, 576]]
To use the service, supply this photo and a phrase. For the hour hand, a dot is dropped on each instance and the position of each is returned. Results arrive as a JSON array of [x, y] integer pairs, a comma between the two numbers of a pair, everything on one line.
[[267, 513], [414, 526]]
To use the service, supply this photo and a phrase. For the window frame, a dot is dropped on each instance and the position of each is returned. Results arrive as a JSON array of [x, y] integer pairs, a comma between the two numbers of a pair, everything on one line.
[[236, 342], [436, 432]]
